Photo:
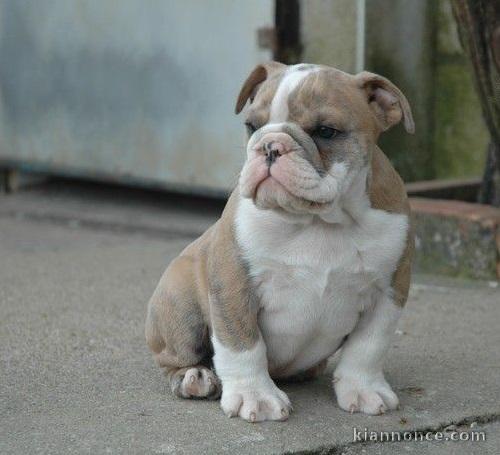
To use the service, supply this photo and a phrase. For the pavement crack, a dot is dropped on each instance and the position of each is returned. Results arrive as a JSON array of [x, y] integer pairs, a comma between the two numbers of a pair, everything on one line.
[[342, 448]]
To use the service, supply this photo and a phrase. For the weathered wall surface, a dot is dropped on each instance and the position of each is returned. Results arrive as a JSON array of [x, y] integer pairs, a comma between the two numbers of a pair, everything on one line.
[[328, 32], [460, 135], [128, 90], [399, 42], [414, 44]]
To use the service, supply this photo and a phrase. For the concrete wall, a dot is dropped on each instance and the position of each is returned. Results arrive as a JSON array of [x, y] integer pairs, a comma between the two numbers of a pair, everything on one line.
[[399, 45], [413, 43], [128, 90], [460, 134], [328, 32]]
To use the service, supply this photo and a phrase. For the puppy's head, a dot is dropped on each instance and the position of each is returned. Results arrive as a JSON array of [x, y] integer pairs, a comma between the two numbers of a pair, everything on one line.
[[311, 130]]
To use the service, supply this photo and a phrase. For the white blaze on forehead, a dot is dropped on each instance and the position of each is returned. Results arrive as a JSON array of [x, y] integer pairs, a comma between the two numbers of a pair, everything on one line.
[[292, 78]]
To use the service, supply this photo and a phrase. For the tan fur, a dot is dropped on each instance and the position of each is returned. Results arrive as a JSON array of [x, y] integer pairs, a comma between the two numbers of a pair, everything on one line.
[[205, 287], [233, 302], [177, 318], [257, 76]]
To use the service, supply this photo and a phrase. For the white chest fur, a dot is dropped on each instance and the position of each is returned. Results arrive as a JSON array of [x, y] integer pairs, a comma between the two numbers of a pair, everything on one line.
[[314, 278]]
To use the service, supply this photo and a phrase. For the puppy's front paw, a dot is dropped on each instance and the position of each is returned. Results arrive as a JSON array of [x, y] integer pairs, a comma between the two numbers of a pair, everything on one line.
[[255, 404], [370, 394]]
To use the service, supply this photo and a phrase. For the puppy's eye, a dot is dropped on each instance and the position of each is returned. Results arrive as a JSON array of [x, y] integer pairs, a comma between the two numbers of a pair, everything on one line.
[[251, 128], [326, 132]]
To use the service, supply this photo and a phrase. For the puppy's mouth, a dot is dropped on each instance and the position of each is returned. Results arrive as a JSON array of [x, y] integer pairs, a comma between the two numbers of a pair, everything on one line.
[[288, 176], [269, 177], [270, 191]]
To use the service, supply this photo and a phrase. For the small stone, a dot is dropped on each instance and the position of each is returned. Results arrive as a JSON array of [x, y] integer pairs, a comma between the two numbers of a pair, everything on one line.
[[414, 390]]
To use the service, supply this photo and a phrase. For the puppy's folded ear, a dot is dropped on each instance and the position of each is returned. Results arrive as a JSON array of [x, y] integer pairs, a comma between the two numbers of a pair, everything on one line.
[[386, 101], [257, 76]]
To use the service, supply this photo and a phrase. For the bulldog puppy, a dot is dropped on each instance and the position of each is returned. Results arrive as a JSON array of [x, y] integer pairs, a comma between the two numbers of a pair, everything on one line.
[[312, 252]]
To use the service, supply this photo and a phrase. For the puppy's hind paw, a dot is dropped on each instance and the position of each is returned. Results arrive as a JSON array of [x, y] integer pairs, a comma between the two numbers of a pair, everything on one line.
[[197, 382]]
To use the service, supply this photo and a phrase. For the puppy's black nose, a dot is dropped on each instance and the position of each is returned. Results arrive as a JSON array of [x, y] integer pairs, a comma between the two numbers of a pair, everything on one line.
[[271, 157], [272, 150]]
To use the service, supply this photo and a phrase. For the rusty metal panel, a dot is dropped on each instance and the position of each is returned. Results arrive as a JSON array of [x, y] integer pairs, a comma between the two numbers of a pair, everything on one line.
[[128, 90]]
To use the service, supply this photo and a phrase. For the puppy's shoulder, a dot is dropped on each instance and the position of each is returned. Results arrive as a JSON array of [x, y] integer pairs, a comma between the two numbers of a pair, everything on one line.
[[219, 235], [223, 236], [224, 256]]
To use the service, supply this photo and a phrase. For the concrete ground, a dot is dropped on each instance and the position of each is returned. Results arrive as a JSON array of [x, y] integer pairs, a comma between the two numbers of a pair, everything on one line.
[[78, 264]]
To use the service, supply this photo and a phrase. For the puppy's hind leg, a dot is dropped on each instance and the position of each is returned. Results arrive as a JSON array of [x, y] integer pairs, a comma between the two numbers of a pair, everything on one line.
[[177, 333]]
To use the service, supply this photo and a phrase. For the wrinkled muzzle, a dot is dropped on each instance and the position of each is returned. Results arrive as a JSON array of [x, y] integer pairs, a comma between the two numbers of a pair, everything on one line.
[[283, 165]]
